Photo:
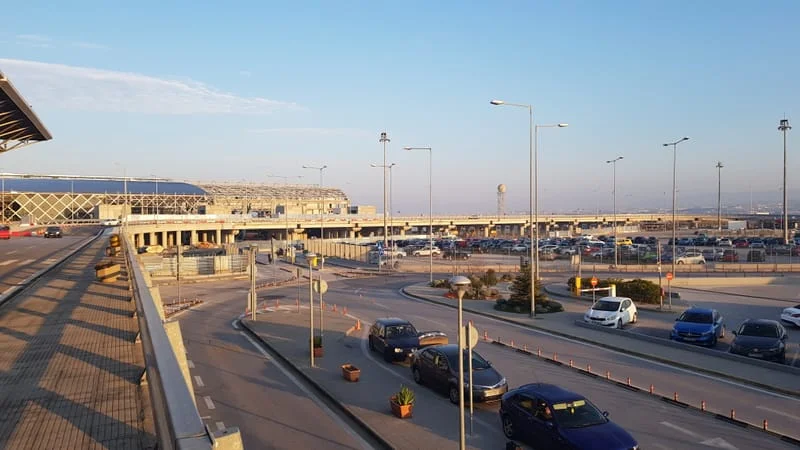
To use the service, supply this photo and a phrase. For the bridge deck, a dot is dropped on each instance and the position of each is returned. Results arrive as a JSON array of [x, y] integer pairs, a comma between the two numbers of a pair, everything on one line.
[[69, 367]]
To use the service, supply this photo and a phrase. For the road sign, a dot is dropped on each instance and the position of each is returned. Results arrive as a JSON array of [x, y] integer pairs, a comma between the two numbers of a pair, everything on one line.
[[320, 286], [473, 336], [594, 281], [670, 276]]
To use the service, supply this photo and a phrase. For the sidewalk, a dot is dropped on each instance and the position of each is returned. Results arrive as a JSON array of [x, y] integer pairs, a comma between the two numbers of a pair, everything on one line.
[[70, 364], [767, 378], [433, 422]]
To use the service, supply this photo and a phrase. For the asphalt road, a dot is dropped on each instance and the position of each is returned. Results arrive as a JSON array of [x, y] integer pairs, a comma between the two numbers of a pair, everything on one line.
[[228, 363], [21, 257], [238, 385]]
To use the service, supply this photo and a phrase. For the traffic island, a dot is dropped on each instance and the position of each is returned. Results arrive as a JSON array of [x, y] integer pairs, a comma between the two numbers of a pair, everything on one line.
[[434, 423]]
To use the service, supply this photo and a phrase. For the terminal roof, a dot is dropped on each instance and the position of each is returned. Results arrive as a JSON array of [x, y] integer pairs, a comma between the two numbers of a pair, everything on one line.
[[19, 125]]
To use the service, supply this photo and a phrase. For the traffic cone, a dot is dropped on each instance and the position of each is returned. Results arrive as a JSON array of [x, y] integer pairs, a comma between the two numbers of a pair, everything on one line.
[[358, 324], [344, 310]]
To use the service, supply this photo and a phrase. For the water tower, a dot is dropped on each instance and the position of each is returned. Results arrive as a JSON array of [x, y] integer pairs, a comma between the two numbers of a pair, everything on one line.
[[501, 199]]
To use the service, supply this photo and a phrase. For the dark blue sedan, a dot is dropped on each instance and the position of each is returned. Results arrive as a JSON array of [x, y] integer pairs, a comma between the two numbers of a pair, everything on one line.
[[699, 326], [551, 417]]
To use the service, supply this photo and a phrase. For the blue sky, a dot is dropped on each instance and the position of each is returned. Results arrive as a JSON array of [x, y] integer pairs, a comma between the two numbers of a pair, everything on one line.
[[240, 90]]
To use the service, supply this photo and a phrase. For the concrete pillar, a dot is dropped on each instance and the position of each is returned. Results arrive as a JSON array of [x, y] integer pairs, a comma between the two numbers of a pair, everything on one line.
[[151, 238], [192, 237], [165, 238], [219, 236]]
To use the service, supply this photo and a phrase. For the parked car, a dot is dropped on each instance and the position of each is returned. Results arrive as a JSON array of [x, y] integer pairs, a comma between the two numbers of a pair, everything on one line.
[[760, 338], [699, 326], [437, 367], [730, 256], [427, 251], [712, 254], [791, 315], [690, 257], [612, 312], [552, 417], [52, 232], [456, 254], [5, 232], [397, 338], [519, 248], [724, 242], [109, 222], [756, 256], [757, 243]]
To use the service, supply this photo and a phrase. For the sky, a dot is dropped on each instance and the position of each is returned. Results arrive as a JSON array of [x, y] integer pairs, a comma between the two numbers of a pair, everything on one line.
[[239, 91]]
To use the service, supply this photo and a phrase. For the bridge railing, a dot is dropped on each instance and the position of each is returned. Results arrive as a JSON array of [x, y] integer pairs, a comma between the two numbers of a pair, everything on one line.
[[177, 421]]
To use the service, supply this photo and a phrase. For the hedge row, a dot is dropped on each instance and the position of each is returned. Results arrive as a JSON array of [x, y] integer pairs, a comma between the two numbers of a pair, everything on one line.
[[641, 291]]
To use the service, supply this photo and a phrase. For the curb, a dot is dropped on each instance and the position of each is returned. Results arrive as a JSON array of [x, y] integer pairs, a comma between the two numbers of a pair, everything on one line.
[[693, 348], [617, 349], [24, 284], [674, 400], [319, 390]]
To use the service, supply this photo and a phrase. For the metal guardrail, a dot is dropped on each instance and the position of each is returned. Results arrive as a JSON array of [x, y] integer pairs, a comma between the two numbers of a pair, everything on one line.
[[177, 420]]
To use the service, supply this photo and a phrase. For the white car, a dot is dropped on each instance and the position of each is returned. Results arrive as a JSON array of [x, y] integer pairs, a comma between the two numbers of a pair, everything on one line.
[[427, 251], [397, 253], [612, 312], [791, 315], [691, 257], [519, 248], [725, 242], [109, 222]]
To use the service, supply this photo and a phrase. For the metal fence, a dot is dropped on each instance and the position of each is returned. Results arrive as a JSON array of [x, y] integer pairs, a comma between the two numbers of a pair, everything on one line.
[[195, 265]]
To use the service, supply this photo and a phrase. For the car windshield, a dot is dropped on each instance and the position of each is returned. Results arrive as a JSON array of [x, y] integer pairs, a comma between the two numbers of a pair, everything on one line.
[[478, 363], [606, 305], [401, 331], [577, 414], [53, 229], [759, 330], [695, 317]]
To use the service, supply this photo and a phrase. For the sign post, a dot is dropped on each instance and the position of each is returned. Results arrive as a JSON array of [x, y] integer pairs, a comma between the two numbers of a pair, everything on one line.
[[311, 308], [321, 287], [470, 335], [379, 247], [593, 282], [669, 288]]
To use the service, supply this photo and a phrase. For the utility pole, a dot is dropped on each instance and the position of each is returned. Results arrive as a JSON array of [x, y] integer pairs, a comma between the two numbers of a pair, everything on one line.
[[719, 195], [784, 127], [384, 139]]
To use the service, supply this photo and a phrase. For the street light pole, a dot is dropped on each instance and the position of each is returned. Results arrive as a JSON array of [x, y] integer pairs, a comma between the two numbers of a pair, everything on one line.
[[460, 284], [391, 220], [156, 196], [322, 204], [784, 127], [719, 195], [384, 140], [430, 202], [674, 182], [613, 162]]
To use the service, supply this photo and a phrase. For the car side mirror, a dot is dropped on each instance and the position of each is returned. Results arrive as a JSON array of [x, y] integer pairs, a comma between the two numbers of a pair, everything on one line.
[[605, 414]]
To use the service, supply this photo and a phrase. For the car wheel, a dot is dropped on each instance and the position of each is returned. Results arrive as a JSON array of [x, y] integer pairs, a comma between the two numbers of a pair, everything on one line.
[[680, 262], [635, 317], [508, 426], [453, 393], [417, 375], [619, 324], [714, 342]]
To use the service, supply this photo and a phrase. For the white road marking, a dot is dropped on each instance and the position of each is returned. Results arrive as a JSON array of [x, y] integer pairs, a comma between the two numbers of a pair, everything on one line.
[[220, 426], [310, 395], [10, 261], [719, 443], [255, 344], [14, 251], [380, 305], [26, 262], [781, 413], [425, 319], [205, 417], [209, 403], [51, 261], [198, 381], [190, 363], [235, 324], [682, 430], [627, 355]]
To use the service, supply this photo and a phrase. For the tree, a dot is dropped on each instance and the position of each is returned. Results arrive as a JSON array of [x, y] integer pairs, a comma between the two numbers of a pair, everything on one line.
[[521, 288]]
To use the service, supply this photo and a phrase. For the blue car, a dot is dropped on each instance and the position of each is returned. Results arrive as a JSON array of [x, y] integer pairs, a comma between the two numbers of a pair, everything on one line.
[[551, 417], [699, 326]]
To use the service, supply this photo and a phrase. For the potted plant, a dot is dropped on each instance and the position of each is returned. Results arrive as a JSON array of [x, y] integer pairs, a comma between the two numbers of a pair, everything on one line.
[[318, 347], [350, 372], [402, 402]]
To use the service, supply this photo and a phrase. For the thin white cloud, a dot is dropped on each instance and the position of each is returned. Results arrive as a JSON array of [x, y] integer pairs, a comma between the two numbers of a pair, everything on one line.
[[245, 73], [34, 40], [75, 88], [89, 45], [350, 132]]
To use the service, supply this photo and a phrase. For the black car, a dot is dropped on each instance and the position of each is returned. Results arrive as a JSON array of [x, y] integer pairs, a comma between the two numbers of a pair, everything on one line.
[[756, 256], [52, 232], [760, 338], [437, 367], [452, 253], [397, 338], [554, 418]]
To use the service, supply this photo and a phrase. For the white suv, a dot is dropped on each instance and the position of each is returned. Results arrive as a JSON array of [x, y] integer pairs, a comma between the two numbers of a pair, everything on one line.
[[691, 257]]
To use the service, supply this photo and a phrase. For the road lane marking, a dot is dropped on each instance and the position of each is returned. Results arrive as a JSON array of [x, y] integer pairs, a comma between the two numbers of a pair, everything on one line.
[[255, 344], [235, 324], [51, 261], [14, 251], [190, 363], [198, 381], [220, 426], [10, 261], [775, 411], [616, 352], [311, 396], [209, 403], [719, 443], [682, 430], [26, 262], [425, 319]]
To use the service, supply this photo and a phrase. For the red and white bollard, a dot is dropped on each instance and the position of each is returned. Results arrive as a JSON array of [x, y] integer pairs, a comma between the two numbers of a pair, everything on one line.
[[485, 335], [512, 343], [733, 414], [702, 405], [589, 368], [525, 347], [608, 374], [675, 396], [539, 352], [652, 389], [570, 363], [344, 310], [628, 381], [555, 356], [766, 428]]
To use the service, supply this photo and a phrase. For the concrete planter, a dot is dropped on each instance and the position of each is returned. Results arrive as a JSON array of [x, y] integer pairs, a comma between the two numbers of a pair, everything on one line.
[[400, 411], [351, 373], [107, 272]]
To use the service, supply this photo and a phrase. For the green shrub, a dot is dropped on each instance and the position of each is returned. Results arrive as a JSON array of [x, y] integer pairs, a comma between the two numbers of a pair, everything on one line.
[[640, 291], [441, 284], [405, 396], [542, 307], [489, 278]]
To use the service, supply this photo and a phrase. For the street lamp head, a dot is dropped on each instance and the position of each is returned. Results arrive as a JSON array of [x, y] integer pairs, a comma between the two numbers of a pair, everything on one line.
[[406, 148], [684, 139], [323, 167], [459, 283], [306, 167], [621, 157], [497, 102], [563, 125], [784, 125]]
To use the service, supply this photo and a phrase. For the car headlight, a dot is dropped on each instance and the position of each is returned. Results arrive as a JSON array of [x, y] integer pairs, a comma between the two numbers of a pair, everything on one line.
[[398, 350], [502, 382]]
